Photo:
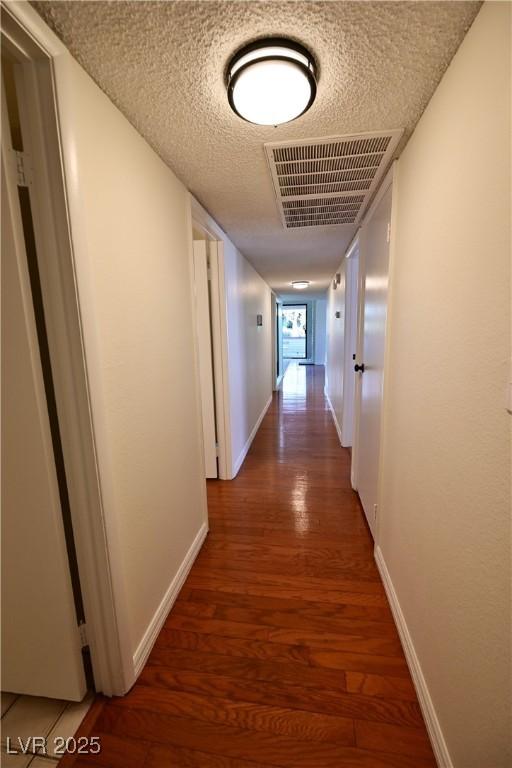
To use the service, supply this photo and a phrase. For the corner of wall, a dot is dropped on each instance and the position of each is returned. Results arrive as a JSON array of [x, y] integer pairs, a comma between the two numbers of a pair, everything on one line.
[[245, 450], [148, 640], [427, 707]]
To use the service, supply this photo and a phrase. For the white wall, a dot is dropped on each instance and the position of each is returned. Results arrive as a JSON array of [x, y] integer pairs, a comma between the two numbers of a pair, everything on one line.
[[444, 530], [320, 331], [131, 226], [335, 347], [249, 350]]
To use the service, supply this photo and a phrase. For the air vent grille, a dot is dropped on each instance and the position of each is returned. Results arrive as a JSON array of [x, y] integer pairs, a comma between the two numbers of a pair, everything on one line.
[[325, 182]]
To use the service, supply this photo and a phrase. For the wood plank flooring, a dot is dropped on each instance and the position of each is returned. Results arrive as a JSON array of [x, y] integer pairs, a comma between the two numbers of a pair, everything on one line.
[[281, 649]]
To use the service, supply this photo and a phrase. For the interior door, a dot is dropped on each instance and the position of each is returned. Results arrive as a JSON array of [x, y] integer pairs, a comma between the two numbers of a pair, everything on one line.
[[349, 375], [374, 264], [204, 334], [41, 648]]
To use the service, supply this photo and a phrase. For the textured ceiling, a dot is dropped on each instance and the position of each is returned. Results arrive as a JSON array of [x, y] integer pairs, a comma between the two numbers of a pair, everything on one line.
[[162, 63]]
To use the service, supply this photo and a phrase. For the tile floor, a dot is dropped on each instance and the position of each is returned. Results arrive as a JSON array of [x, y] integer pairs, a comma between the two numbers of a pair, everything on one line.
[[28, 716]]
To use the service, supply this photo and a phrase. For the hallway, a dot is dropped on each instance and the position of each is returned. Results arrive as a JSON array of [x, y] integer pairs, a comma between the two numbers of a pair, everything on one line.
[[186, 186], [281, 649]]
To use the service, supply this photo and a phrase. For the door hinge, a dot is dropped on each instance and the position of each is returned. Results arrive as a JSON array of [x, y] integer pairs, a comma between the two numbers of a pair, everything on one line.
[[82, 630], [217, 449], [22, 169], [388, 235], [375, 509], [209, 273]]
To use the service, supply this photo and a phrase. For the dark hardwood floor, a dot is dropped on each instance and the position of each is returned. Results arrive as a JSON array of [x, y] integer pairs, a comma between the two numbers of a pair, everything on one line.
[[281, 649]]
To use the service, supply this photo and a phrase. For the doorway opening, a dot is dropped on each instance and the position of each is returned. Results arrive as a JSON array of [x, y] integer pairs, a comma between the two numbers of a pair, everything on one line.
[[211, 351], [35, 488], [279, 362], [50, 479], [295, 337], [350, 351], [372, 282], [278, 342]]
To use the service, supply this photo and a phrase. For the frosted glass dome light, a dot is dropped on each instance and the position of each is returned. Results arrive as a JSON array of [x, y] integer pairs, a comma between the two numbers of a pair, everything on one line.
[[300, 285], [271, 81]]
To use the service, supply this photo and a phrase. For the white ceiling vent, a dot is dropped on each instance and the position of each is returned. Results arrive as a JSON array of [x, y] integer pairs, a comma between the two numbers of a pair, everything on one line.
[[325, 182]]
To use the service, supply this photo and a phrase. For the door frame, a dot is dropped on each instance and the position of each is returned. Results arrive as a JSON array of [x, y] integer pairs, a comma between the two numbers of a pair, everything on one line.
[[350, 346], [204, 224], [394, 173], [309, 336], [274, 369], [203, 336], [24, 659], [36, 48], [278, 366], [386, 183]]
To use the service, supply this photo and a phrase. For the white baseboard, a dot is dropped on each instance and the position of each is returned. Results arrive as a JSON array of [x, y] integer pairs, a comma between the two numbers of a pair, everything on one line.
[[251, 437], [279, 381], [146, 644], [427, 707], [280, 378], [338, 428]]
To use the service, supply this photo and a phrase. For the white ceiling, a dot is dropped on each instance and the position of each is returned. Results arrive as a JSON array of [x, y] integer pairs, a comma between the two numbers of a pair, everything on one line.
[[163, 64]]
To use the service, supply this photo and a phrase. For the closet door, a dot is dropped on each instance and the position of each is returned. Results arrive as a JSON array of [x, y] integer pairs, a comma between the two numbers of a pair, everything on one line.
[[374, 264], [41, 648]]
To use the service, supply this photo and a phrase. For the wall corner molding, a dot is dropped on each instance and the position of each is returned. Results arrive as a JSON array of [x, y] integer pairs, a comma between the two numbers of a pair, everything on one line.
[[427, 706], [333, 414], [146, 644], [243, 453]]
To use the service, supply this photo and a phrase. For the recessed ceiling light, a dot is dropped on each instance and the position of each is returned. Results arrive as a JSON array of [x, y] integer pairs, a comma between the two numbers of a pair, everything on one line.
[[271, 81], [300, 284]]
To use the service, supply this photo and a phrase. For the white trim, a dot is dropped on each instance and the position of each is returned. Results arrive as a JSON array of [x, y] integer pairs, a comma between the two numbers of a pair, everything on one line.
[[251, 437], [427, 706], [334, 418], [274, 338], [155, 625], [350, 343], [381, 191], [202, 326], [33, 24], [278, 344], [201, 216], [354, 243], [217, 237], [279, 381], [220, 357], [51, 142], [389, 336], [62, 674], [387, 182]]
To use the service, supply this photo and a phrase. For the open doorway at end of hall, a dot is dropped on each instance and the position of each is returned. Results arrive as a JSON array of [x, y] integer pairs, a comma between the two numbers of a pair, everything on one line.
[[295, 336]]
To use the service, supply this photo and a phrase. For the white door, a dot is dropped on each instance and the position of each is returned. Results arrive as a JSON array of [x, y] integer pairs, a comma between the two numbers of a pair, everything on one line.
[[204, 334], [374, 263], [349, 375], [41, 649]]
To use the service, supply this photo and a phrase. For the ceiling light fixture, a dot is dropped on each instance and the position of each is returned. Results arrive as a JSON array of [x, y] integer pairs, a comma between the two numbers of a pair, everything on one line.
[[300, 284], [271, 81]]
